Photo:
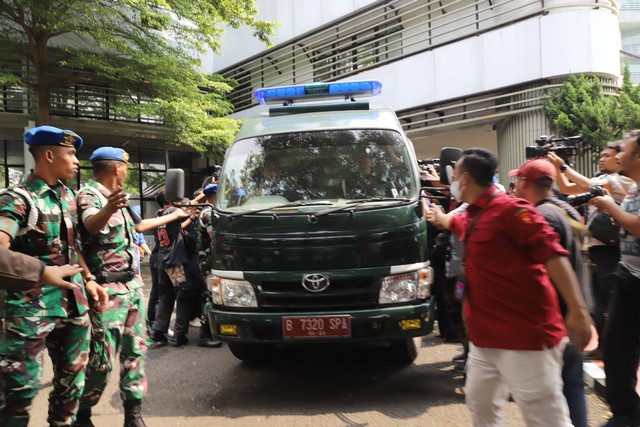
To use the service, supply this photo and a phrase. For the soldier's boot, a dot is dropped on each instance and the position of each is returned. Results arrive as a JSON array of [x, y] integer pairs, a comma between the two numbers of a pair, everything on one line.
[[83, 419], [133, 413]]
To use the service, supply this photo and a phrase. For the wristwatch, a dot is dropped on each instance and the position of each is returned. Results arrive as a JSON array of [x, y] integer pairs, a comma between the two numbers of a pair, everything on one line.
[[90, 278], [563, 168]]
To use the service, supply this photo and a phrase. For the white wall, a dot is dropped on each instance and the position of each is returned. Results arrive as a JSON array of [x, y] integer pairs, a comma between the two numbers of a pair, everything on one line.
[[561, 43], [296, 16]]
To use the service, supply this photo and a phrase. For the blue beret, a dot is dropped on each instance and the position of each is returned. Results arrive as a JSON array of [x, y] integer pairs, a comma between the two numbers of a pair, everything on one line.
[[210, 189], [109, 153], [49, 135]]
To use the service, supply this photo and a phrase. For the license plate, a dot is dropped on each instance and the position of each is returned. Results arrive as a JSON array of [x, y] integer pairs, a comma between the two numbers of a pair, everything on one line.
[[316, 327]]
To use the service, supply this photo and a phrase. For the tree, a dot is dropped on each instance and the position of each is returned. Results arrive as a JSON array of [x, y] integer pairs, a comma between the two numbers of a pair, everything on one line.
[[145, 49], [580, 107]]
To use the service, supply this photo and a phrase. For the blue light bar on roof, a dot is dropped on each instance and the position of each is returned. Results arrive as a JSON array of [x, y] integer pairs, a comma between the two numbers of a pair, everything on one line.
[[318, 90]]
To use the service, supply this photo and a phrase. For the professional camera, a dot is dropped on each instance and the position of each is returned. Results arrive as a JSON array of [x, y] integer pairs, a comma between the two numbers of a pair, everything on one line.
[[565, 147], [423, 166], [435, 162], [580, 199]]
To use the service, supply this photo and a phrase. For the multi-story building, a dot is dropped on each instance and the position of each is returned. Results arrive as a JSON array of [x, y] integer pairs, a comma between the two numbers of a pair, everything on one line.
[[458, 72]]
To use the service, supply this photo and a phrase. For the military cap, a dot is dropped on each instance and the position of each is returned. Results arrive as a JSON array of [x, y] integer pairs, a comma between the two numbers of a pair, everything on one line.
[[109, 153], [210, 189], [49, 135]]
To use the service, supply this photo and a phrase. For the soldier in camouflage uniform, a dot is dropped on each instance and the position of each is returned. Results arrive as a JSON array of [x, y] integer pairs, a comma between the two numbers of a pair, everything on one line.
[[108, 229], [204, 229], [38, 218]]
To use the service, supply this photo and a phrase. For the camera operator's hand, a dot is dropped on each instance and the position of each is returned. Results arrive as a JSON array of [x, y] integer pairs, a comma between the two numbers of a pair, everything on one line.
[[603, 203], [555, 160]]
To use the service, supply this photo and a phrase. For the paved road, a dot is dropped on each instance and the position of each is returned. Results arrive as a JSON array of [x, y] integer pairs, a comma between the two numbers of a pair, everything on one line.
[[309, 386]]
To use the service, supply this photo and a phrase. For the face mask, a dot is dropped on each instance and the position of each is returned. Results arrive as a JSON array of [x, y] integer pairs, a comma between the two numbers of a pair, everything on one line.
[[454, 189]]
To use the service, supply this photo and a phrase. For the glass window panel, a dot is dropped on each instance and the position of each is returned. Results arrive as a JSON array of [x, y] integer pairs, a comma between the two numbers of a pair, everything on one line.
[[152, 159], [15, 153], [152, 182], [132, 184], [133, 156], [135, 205], [149, 208], [15, 175], [180, 160], [2, 182]]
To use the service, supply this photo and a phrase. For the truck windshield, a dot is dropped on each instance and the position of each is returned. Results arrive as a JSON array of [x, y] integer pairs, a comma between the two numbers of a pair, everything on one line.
[[335, 166]]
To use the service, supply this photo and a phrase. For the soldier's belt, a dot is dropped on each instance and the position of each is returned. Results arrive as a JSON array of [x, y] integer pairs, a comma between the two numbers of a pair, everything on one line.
[[115, 276]]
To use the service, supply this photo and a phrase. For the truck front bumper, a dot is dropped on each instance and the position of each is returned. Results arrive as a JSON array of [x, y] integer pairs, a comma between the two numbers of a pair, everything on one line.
[[379, 324]]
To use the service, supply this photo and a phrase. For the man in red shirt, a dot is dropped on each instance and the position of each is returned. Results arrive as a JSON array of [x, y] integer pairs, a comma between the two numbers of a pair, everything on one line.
[[514, 323]]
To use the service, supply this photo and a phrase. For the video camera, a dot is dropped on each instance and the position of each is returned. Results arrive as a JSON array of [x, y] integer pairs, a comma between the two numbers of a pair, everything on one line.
[[580, 199], [565, 147]]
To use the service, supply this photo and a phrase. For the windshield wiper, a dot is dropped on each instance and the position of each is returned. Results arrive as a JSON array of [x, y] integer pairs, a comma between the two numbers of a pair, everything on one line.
[[286, 205], [353, 203]]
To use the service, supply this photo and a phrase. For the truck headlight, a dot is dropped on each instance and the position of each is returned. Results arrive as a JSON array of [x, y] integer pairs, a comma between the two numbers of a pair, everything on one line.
[[231, 293], [425, 279], [399, 288]]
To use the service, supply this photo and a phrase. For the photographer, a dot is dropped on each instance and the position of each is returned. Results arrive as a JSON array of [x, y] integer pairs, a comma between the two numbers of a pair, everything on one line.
[[605, 255], [622, 331]]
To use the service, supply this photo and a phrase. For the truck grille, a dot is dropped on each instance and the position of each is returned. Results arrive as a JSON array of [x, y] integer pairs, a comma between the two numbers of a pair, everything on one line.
[[341, 295]]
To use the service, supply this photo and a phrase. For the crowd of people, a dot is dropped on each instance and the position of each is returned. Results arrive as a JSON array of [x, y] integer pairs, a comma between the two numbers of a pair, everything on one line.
[[71, 284], [529, 272], [519, 276]]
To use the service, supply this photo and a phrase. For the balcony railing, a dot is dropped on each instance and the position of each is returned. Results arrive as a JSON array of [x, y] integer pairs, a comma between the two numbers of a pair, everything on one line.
[[386, 32], [90, 102]]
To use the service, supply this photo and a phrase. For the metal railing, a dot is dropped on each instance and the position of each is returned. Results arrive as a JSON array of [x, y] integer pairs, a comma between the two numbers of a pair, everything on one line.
[[386, 32], [83, 101], [488, 107]]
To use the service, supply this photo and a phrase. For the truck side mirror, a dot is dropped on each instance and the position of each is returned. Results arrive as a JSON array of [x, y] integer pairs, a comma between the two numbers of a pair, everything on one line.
[[174, 185], [448, 157]]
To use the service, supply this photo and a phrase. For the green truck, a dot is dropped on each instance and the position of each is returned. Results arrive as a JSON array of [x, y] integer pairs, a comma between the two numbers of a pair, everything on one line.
[[319, 229]]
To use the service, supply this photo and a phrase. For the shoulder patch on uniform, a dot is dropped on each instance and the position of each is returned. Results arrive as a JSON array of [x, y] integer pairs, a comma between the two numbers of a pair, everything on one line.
[[525, 216]]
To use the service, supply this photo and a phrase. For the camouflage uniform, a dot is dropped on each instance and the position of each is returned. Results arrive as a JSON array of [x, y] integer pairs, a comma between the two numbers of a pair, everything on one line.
[[44, 316], [111, 256]]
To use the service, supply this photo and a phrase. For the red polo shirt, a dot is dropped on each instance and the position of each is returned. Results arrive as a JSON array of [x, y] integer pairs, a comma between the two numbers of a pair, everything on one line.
[[511, 302]]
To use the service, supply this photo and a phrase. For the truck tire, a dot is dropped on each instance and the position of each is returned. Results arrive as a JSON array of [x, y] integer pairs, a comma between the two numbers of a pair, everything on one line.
[[251, 353], [404, 351]]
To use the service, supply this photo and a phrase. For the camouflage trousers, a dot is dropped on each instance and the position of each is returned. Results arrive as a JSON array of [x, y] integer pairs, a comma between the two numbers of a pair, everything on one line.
[[22, 345], [119, 329]]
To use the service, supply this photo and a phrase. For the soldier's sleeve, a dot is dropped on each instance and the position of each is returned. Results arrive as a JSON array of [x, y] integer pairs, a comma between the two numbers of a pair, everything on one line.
[[88, 205], [13, 213]]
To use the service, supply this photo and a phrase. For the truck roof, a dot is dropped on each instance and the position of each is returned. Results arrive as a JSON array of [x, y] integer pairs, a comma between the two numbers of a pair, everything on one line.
[[376, 117]]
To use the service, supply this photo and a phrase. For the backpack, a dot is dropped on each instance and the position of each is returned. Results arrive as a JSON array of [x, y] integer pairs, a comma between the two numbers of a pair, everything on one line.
[[32, 216]]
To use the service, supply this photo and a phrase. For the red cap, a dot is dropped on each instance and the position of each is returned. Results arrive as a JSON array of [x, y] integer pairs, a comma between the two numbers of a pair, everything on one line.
[[535, 170]]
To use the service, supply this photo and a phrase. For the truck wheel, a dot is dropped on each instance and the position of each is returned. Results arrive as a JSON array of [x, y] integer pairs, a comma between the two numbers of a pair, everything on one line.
[[404, 351], [251, 353]]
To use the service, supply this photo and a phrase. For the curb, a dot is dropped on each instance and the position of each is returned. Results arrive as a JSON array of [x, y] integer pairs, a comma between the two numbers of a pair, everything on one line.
[[595, 378]]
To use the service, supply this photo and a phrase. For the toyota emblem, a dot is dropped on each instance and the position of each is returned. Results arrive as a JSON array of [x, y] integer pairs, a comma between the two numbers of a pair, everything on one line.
[[315, 282]]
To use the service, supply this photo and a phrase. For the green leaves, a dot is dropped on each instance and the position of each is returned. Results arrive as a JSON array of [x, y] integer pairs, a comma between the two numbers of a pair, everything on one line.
[[145, 49], [581, 107]]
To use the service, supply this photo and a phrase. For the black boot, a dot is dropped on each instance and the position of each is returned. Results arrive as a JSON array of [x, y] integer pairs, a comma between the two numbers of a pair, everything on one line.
[[133, 413], [205, 339], [83, 419]]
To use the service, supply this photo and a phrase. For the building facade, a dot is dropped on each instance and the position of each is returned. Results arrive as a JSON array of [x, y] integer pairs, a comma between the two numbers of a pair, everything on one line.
[[458, 72]]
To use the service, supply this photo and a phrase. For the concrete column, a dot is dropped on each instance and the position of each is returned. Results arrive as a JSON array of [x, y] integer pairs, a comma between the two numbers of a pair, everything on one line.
[[514, 135], [29, 163]]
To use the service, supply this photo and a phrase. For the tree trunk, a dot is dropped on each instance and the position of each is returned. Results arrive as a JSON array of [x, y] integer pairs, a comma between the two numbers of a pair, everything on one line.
[[43, 87]]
